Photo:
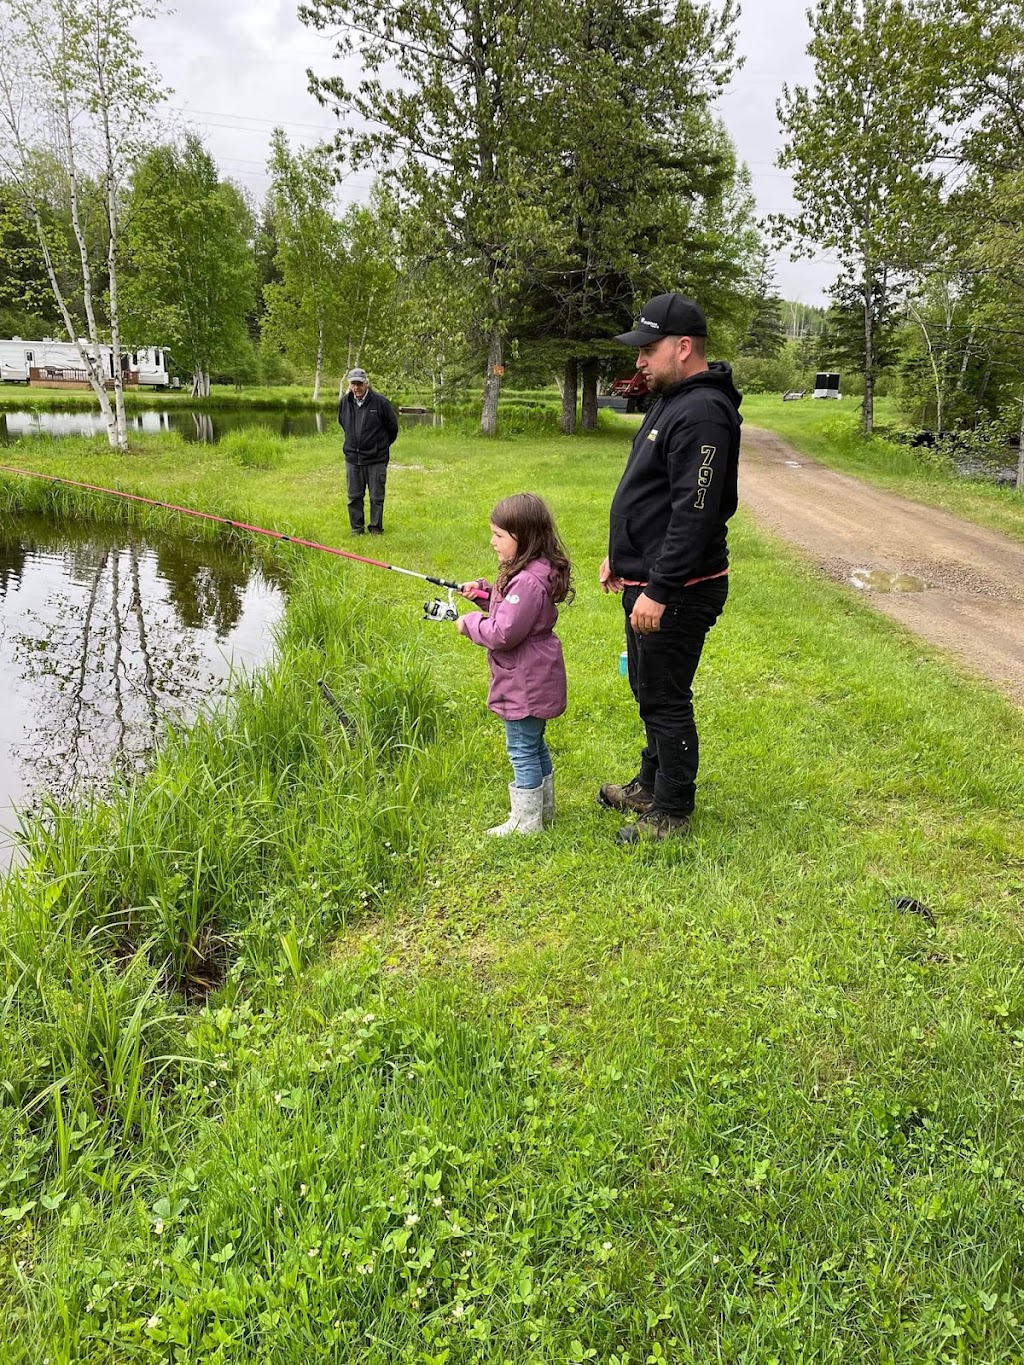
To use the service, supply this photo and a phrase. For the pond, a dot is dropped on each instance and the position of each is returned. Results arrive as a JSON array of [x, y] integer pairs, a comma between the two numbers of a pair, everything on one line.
[[206, 427], [105, 640]]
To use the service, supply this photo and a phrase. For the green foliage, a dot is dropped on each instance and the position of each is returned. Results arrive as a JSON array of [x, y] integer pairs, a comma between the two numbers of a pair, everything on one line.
[[863, 146], [766, 336], [331, 303], [643, 205], [758, 374], [190, 276]]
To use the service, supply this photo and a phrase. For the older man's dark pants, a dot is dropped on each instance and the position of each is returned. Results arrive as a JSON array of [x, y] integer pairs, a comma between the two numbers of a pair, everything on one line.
[[661, 671], [359, 478]]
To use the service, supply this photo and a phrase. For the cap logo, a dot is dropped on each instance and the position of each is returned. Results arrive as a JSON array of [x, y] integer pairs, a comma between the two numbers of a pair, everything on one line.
[[646, 322]]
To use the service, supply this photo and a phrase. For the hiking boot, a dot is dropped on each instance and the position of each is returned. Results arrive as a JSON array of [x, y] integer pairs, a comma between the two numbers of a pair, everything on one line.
[[655, 826], [634, 796]]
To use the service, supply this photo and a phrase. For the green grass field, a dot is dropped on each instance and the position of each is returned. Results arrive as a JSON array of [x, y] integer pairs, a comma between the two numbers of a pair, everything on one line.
[[297, 1067]]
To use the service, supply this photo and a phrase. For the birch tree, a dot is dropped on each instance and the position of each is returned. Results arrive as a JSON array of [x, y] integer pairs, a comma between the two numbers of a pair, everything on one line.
[[302, 304], [75, 92]]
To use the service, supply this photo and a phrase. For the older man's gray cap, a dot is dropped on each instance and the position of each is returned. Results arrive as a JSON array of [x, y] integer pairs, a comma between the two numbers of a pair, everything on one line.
[[358, 377], [666, 315]]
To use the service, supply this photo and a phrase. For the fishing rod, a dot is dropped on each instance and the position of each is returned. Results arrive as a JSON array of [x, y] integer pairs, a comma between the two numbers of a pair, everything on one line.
[[438, 610]]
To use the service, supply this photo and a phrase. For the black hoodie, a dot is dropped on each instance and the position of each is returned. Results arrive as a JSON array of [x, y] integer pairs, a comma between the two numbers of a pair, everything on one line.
[[678, 490]]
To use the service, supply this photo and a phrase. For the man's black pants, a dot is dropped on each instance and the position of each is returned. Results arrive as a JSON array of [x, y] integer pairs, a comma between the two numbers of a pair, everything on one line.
[[661, 670], [359, 478]]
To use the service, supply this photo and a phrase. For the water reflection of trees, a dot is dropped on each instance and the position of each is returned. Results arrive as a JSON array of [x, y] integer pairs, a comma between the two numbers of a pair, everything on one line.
[[12, 564], [120, 654], [205, 594]]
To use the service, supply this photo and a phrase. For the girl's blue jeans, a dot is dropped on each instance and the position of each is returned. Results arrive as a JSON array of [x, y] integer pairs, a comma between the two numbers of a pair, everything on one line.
[[531, 761]]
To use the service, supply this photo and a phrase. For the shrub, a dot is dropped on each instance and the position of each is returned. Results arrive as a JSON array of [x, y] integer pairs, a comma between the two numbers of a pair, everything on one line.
[[252, 448]]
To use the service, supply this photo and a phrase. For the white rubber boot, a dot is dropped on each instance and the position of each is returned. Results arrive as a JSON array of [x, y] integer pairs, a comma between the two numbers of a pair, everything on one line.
[[527, 815], [548, 788]]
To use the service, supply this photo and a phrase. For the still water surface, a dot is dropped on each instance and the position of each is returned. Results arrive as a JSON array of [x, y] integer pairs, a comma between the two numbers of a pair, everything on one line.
[[206, 427], [105, 639]]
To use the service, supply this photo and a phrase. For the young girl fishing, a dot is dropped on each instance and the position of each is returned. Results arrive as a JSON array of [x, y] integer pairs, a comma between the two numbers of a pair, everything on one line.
[[516, 627]]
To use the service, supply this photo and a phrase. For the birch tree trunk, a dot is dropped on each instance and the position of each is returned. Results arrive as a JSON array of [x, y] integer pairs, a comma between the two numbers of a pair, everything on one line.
[[319, 362], [868, 411], [94, 370], [110, 178], [1020, 451]]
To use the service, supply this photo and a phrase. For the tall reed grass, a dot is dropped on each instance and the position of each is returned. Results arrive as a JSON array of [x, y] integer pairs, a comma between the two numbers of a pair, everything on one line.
[[259, 833]]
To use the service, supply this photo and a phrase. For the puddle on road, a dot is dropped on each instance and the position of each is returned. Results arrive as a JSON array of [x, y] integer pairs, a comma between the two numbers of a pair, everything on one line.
[[106, 639], [880, 580], [793, 464]]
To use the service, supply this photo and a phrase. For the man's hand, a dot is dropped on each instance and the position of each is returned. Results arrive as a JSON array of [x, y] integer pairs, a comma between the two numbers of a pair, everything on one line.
[[609, 582], [646, 615]]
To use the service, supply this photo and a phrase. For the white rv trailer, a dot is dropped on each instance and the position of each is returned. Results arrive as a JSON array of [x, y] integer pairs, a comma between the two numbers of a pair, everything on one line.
[[62, 359]]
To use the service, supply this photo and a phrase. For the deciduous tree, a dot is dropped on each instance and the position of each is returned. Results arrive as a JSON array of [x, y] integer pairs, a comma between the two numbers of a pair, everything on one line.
[[75, 94], [862, 144], [457, 125], [188, 241]]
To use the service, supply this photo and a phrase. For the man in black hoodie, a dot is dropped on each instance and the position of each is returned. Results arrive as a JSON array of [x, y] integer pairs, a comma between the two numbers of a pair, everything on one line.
[[667, 553], [371, 427]]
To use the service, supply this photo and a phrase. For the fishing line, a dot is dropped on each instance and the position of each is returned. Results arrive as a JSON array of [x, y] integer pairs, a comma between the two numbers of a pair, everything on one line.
[[436, 611]]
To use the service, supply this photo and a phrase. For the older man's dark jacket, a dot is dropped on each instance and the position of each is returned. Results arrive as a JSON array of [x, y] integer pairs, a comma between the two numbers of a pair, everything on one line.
[[370, 427]]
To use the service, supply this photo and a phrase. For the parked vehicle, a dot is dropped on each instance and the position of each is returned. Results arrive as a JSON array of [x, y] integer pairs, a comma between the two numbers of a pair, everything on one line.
[[58, 364], [628, 393]]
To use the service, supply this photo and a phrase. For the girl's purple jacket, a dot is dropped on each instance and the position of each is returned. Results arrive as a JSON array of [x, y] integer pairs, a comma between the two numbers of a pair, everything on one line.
[[527, 671]]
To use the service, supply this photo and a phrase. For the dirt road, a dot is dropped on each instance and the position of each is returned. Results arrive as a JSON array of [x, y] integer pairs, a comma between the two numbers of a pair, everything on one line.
[[956, 585]]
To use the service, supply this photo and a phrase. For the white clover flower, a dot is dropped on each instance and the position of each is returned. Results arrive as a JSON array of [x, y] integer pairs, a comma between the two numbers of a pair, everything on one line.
[[158, 1226], [411, 1219]]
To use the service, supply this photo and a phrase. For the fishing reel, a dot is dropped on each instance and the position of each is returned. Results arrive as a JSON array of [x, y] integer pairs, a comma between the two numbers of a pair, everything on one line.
[[440, 610]]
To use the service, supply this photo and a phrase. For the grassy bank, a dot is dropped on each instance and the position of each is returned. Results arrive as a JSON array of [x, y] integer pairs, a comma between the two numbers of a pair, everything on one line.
[[826, 433], [300, 1068], [226, 397]]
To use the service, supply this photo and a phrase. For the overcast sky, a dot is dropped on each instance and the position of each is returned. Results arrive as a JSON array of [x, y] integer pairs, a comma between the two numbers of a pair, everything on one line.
[[238, 67]]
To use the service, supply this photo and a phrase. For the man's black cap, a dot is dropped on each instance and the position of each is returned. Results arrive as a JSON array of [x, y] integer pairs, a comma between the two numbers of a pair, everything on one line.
[[666, 315]]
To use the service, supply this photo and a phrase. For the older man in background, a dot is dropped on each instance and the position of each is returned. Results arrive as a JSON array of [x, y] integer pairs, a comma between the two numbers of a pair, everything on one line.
[[371, 428]]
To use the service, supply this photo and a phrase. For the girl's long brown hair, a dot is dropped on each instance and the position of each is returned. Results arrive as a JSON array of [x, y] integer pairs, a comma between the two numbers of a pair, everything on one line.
[[526, 517]]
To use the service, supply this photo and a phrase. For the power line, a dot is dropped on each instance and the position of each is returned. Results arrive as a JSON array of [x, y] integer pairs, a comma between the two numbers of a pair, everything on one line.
[[250, 118]]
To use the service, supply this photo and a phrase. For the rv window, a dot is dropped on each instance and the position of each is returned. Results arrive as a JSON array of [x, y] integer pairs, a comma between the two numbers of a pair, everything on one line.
[[30, 358]]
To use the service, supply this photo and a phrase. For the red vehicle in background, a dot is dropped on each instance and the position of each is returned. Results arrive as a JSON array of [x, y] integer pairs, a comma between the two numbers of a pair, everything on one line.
[[633, 388]]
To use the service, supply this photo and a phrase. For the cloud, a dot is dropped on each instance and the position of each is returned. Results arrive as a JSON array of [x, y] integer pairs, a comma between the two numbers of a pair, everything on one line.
[[238, 67]]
